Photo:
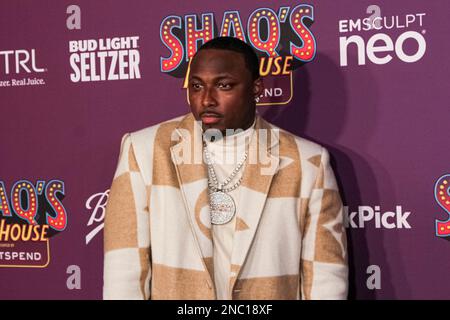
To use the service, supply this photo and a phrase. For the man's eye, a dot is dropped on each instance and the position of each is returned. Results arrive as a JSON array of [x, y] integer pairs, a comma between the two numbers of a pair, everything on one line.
[[196, 86], [224, 86]]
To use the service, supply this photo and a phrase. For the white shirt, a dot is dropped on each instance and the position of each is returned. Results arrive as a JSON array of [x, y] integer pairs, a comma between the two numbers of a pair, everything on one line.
[[225, 154]]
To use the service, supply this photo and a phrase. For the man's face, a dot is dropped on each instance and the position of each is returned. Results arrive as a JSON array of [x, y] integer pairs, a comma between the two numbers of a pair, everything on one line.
[[221, 90]]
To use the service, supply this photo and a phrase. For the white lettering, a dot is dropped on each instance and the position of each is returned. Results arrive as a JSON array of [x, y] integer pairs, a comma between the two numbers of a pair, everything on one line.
[[420, 41], [74, 280], [387, 220], [343, 44], [98, 212], [374, 281], [386, 47]]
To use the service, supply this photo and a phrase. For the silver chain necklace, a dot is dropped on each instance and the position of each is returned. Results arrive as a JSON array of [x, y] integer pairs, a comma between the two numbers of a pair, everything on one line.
[[222, 206]]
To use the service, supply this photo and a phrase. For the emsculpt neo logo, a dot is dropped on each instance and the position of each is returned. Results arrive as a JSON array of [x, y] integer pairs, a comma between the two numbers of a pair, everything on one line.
[[380, 39]]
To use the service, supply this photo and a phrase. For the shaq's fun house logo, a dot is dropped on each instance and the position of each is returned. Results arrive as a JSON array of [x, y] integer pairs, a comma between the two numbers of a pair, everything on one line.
[[28, 219], [442, 196], [282, 39], [380, 39]]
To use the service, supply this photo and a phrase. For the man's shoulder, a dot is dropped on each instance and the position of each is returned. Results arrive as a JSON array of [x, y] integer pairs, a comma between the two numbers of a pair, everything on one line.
[[144, 140]]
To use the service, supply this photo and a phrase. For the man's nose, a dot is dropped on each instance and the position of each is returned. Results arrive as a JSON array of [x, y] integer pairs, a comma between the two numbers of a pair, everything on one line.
[[209, 99]]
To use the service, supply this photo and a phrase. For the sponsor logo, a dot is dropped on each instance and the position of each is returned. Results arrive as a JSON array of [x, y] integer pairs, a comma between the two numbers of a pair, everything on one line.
[[105, 59], [29, 218], [17, 68], [365, 215], [379, 39], [442, 197], [97, 205], [283, 40]]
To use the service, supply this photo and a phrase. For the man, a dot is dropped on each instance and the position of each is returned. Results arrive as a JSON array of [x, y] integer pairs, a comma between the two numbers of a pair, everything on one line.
[[183, 223]]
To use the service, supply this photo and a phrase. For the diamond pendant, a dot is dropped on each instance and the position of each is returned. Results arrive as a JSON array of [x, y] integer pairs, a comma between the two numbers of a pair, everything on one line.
[[222, 207]]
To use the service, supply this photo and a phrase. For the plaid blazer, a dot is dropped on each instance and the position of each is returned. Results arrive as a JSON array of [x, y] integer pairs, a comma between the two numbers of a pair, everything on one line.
[[289, 240]]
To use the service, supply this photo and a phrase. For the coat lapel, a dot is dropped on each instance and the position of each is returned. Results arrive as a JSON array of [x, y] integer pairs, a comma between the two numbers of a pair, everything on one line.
[[192, 177], [262, 165]]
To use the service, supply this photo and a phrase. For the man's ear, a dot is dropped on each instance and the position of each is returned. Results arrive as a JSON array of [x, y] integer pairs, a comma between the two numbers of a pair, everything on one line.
[[258, 87]]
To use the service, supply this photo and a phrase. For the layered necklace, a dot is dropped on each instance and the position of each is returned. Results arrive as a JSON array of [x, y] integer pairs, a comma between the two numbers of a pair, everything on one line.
[[222, 206]]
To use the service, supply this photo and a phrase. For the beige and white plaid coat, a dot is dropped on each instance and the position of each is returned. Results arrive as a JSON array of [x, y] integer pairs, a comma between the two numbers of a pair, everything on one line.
[[289, 242]]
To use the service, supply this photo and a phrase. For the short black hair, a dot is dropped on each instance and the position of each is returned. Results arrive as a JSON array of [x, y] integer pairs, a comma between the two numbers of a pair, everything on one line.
[[236, 45]]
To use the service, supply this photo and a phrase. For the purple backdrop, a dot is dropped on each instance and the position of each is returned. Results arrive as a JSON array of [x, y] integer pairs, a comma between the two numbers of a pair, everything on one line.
[[384, 122]]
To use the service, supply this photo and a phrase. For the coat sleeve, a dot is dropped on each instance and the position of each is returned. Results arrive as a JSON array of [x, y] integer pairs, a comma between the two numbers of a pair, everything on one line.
[[324, 266], [127, 267]]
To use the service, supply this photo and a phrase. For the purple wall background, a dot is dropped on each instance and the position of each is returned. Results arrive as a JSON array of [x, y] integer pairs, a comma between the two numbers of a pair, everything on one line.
[[386, 127]]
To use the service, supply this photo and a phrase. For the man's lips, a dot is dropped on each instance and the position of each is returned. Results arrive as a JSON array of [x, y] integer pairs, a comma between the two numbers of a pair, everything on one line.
[[210, 117]]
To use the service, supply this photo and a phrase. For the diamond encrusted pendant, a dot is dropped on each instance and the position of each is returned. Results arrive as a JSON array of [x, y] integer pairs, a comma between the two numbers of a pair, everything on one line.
[[222, 207]]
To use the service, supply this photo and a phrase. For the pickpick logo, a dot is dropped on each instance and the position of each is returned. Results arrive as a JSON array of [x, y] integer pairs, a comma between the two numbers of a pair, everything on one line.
[[367, 215]]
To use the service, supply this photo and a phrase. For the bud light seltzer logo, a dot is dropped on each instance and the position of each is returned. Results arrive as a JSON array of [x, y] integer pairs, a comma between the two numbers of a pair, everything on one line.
[[30, 214], [106, 59], [442, 196], [282, 39]]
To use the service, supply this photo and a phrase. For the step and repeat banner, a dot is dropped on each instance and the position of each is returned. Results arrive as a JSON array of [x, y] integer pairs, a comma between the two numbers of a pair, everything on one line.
[[368, 80]]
